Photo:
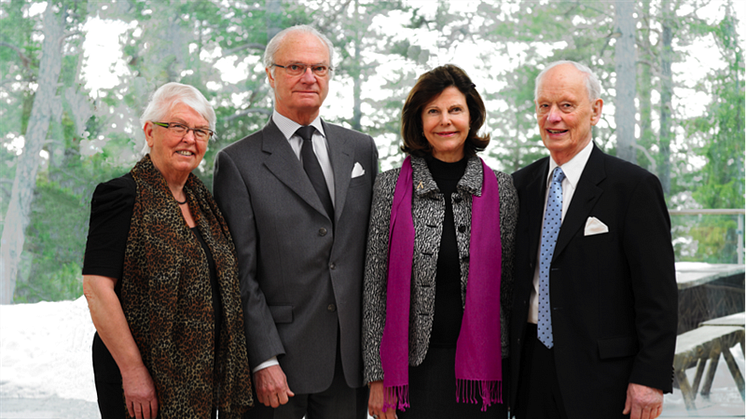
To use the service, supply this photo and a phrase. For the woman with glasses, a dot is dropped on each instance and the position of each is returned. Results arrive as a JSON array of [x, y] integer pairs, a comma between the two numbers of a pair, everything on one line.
[[438, 272], [161, 279]]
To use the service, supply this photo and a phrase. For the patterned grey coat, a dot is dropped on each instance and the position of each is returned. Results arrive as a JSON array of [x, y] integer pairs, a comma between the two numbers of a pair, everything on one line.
[[428, 213]]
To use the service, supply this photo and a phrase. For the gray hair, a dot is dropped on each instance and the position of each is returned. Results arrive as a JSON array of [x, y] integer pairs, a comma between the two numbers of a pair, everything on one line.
[[276, 41], [592, 85], [173, 93]]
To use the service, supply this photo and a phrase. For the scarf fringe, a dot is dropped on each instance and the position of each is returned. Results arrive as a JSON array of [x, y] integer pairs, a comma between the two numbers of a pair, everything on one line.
[[490, 392], [396, 397]]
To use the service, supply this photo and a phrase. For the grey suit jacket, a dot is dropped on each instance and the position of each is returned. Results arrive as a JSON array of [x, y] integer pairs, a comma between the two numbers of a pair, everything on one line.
[[301, 274]]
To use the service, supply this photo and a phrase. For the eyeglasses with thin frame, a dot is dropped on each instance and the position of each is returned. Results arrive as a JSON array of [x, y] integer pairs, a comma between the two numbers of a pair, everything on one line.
[[296, 69], [202, 134]]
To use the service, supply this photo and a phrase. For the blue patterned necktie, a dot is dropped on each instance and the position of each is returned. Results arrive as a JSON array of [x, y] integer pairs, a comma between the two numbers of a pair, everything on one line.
[[552, 222]]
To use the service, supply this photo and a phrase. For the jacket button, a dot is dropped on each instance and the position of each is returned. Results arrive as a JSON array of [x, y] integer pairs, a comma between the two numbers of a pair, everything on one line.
[[332, 266], [322, 231], [461, 228], [332, 308]]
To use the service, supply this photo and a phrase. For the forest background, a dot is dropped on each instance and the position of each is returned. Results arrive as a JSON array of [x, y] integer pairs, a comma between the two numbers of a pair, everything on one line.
[[672, 74]]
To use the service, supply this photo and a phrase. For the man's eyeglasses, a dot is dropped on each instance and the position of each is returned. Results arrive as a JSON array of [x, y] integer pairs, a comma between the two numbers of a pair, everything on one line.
[[320, 70], [202, 134]]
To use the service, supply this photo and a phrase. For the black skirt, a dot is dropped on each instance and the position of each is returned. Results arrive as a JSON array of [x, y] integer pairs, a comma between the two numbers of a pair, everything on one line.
[[432, 391]]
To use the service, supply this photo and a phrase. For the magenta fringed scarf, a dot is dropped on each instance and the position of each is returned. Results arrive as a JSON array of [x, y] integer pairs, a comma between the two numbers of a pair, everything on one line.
[[478, 349]]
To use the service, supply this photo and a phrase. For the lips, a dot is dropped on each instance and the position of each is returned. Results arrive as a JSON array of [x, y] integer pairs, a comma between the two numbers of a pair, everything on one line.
[[185, 153], [446, 133], [556, 131]]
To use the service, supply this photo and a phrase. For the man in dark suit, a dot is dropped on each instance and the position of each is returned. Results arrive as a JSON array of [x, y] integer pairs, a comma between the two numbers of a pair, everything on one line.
[[296, 196], [594, 320]]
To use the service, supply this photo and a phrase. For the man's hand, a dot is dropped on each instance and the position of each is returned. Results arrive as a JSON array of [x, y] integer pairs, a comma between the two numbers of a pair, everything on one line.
[[271, 386], [139, 393], [643, 402], [375, 402]]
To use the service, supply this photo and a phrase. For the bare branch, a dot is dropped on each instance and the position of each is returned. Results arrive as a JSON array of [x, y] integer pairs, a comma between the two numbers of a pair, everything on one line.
[[250, 45], [24, 59], [248, 111]]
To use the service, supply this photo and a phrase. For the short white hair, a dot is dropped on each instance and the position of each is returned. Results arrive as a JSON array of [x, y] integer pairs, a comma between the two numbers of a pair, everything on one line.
[[170, 94], [276, 41], [592, 85]]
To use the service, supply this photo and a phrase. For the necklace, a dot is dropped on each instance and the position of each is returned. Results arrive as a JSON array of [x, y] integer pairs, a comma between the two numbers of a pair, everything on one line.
[[180, 202]]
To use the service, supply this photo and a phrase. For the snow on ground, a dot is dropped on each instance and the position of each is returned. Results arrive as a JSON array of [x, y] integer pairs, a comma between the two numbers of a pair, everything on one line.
[[45, 355], [45, 350]]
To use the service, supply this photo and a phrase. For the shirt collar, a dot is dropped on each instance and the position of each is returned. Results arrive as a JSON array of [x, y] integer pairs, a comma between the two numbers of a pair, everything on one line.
[[288, 127], [574, 168]]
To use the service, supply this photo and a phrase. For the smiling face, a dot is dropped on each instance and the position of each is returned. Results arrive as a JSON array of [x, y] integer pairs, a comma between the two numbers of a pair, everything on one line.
[[445, 122], [300, 97], [565, 114], [173, 155]]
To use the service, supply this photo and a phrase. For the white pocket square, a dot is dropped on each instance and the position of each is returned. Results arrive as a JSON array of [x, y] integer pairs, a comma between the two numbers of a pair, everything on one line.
[[594, 226], [357, 170]]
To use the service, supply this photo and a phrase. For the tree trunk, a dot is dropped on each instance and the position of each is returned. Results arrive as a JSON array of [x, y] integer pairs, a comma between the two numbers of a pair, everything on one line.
[[274, 18], [624, 102], [666, 92], [357, 79], [27, 166], [645, 87]]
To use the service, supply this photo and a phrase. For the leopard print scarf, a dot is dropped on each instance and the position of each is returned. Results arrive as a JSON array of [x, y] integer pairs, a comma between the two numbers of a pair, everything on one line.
[[167, 299]]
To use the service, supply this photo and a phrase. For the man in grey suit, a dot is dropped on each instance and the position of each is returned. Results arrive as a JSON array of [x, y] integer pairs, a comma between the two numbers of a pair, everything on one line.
[[296, 196]]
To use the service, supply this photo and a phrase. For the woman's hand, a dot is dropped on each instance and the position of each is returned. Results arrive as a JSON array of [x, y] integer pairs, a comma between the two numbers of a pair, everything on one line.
[[375, 402], [139, 393]]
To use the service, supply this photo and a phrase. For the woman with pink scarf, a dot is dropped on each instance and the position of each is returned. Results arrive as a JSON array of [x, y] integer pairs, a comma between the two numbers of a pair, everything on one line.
[[439, 263]]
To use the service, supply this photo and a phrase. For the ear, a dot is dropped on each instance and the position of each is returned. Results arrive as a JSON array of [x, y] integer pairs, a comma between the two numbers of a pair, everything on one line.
[[148, 130], [270, 78], [596, 107]]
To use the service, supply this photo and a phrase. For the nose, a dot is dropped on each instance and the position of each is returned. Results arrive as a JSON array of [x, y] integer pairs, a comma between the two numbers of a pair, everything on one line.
[[189, 135], [445, 119], [554, 114], [308, 76]]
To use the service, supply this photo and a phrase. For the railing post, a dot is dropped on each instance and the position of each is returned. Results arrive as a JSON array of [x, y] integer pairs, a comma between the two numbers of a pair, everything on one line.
[[739, 233]]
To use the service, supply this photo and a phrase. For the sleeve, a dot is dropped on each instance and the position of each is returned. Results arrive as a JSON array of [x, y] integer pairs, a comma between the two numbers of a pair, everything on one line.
[[375, 277], [111, 213], [508, 220], [232, 195], [647, 244]]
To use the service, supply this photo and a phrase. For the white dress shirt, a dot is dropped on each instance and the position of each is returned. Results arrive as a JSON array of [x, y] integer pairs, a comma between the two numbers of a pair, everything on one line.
[[573, 169]]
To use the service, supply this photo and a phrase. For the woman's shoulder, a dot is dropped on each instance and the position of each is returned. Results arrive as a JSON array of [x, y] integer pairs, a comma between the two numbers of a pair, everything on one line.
[[386, 181], [114, 193]]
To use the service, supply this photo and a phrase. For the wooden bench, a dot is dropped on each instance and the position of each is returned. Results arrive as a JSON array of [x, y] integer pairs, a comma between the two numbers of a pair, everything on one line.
[[697, 347]]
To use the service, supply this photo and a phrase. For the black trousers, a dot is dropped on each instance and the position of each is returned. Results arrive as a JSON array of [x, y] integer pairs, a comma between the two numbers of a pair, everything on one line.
[[432, 391], [539, 394]]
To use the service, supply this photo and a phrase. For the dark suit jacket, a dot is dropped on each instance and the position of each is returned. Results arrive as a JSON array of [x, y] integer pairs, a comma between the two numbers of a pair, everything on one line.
[[301, 275], [613, 296]]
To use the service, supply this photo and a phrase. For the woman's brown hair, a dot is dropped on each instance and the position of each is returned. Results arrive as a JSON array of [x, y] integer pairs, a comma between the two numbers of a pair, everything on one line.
[[428, 87]]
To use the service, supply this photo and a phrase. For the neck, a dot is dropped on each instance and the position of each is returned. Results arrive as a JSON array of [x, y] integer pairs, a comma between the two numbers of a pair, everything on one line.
[[300, 117], [175, 182]]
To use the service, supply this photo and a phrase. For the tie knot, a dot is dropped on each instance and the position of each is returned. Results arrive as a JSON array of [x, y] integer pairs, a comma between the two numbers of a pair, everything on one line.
[[558, 175], [305, 132]]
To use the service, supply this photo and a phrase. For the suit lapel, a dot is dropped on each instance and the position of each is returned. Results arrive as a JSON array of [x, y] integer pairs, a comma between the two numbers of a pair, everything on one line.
[[284, 164], [534, 202], [341, 159], [585, 198]]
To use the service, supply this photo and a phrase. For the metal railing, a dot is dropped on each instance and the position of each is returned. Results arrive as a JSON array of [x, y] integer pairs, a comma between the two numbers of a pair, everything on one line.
[[728, 211]]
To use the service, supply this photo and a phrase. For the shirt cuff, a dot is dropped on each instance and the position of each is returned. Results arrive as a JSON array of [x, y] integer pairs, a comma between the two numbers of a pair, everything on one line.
[[266, 364]]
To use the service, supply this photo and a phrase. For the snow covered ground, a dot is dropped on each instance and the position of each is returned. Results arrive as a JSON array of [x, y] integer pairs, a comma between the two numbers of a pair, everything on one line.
[[46, 372]]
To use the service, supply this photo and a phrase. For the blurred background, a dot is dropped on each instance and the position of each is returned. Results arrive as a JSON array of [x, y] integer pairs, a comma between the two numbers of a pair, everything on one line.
[[75, 76]]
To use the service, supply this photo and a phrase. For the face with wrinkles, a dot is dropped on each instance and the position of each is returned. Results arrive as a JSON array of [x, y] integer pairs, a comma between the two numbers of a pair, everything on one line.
[[564, 112], [176, 155], [445, 122], [299, 97]]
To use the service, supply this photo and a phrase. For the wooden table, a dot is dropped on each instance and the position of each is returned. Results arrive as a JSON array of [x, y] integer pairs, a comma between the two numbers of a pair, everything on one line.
[[697, 347], [708, 291]]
